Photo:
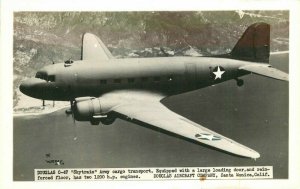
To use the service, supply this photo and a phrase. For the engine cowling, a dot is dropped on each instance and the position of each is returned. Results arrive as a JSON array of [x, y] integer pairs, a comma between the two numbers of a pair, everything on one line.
[[93, 110]]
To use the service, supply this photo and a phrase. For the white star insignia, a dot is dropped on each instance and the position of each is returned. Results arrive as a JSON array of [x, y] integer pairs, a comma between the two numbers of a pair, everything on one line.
[[207, 137], [218, 73]]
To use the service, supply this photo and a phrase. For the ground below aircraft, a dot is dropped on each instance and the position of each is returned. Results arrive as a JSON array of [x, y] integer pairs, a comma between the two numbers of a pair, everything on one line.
[[101, 88]]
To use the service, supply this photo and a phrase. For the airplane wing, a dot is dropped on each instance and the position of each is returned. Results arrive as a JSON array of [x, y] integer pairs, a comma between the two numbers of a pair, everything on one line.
[[266, 70], [156, 114]]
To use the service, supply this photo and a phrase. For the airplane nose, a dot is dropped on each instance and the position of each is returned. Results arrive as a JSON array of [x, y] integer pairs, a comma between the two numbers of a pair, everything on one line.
[[28, 86], [24, 88]]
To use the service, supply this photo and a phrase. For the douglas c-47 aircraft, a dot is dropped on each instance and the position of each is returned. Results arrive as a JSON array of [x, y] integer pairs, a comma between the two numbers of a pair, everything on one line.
[[102, 88]]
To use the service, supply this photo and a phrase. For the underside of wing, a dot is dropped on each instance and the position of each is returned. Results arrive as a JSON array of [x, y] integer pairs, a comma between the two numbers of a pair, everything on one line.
[[158, 115], [93, 49], [266, 70]]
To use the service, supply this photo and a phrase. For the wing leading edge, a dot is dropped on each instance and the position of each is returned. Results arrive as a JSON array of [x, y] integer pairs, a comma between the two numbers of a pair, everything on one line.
[[158, 115]]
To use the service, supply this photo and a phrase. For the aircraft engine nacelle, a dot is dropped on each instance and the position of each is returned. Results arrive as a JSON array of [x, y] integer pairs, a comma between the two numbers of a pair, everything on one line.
[[93, 110]]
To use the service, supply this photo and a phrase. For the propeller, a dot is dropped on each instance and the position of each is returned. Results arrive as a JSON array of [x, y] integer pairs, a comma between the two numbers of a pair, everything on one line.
[[53, 63], [72, 103], [48, 81]]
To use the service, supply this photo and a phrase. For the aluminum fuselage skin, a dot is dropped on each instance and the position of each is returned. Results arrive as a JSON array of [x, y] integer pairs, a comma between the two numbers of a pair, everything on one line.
[[164, 75]]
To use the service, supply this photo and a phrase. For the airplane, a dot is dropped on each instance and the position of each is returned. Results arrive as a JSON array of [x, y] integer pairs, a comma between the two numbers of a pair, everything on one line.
[[101, 88]]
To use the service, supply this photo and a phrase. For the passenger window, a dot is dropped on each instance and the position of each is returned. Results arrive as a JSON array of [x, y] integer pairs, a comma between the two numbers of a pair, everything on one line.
[[130, 80], [117, 80], [156, 79], [170, 78], [144, 79], [102, 81]]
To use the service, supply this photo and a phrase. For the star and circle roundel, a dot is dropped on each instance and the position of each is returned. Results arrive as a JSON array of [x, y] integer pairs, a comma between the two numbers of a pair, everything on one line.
[[217, 73], [207, 136]]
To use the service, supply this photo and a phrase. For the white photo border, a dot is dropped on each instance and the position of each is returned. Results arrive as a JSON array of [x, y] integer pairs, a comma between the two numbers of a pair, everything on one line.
[[8, 7]]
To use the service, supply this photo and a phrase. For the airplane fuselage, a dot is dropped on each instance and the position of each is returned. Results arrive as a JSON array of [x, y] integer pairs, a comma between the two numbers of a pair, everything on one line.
[[166, 75]]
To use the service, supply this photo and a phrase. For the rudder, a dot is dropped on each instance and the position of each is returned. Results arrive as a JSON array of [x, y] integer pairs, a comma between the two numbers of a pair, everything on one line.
[[94, 49], [254, 45]]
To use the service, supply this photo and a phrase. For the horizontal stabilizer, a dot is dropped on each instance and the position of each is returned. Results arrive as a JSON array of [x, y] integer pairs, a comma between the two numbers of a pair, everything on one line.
[[266, 70]]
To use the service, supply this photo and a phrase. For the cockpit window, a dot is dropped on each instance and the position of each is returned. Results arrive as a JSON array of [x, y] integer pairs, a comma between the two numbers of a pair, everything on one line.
[[41, 75], [45, 76], [51, 78]]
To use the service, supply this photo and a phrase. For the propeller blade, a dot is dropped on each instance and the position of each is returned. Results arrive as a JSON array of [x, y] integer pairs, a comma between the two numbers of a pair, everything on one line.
[[74, 121], [75, 128]]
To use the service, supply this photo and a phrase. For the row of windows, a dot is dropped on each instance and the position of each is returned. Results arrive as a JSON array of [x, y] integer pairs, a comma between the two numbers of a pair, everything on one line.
[[51, 78], [143, 79]]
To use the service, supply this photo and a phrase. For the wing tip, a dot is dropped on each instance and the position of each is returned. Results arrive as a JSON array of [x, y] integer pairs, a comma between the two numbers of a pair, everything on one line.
[[255, 155], [250, 153]]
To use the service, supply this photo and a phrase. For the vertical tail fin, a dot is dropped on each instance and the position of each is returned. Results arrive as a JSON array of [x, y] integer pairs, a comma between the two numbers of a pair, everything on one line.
[[94, 49], [254, 45]]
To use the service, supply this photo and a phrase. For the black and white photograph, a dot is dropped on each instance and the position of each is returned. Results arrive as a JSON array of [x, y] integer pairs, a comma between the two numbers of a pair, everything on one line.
[[148, 89], [149, 94]]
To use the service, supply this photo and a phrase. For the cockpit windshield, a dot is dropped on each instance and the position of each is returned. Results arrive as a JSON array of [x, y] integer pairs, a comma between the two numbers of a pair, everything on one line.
[[41, 75], [45, 76]]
